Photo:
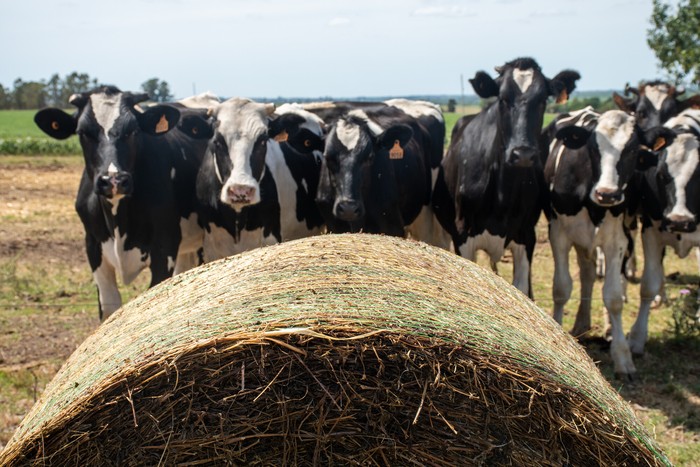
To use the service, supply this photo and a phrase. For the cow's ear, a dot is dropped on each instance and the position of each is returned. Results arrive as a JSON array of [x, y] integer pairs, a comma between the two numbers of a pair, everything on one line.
[[657, 138], [646, 159], [196, 127], [623, 103], [690, 103], [306, 142], [286, 124], [562, 85], [484, 86], [400, 134], [158, 120], [573, 137], [56, 123]]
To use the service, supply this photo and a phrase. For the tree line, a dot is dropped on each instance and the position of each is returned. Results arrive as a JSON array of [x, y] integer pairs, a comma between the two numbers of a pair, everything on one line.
[[56, 91]]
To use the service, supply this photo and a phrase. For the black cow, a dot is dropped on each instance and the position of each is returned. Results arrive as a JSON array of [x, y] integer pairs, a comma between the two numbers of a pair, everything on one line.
[[253, 189], [377, 173], [670, 209], [589, 169], [490, 192], [136, 198]]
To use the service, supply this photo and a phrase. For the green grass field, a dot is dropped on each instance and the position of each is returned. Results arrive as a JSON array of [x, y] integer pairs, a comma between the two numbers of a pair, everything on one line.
[[48, 301]]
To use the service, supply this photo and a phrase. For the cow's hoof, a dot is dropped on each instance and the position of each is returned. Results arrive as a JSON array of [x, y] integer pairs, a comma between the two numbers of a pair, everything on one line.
[[626, 377]]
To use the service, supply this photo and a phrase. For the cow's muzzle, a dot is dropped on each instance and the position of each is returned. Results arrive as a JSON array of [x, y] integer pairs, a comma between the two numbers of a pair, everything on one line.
[[522, 156], [114, 184], [679, 224], [349, 210], [608, 197], [241, 194]]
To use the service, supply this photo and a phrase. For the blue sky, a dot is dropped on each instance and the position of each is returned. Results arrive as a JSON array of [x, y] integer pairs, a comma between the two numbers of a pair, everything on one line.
[[317, 48]]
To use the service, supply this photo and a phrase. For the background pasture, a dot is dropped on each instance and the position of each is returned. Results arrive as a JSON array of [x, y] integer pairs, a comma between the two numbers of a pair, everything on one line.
[[48, 302]]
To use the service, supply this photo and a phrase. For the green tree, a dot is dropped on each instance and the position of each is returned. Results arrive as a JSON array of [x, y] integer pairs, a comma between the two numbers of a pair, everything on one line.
[[76, 83], [28, 95], [675, 38], [54, 91], [157, 90], [4, 97]]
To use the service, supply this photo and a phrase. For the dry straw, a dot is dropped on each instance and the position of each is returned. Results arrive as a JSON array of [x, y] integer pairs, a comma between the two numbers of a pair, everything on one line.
[[333, 350]]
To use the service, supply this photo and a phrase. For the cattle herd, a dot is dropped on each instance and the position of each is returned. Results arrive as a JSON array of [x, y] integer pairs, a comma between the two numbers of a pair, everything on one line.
[[169, 186]]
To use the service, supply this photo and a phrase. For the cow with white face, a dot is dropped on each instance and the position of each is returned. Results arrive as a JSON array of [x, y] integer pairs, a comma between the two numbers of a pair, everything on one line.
[[137, 191], [589, 168], [257, 178], [670, 197], [654, 102]]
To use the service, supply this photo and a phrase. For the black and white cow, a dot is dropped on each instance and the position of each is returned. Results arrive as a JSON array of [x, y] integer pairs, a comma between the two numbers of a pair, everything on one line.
[[589, 169], [654, 102], [377, 174], [136, 198], [670, 206], [254, 190], [490, 190]]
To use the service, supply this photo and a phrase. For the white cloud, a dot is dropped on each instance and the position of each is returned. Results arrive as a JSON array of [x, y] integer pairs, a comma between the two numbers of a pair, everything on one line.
[[338, 21], [449, 11]]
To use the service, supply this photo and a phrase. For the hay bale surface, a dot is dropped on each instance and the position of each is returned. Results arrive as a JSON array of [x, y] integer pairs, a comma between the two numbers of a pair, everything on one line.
[[332, 350]]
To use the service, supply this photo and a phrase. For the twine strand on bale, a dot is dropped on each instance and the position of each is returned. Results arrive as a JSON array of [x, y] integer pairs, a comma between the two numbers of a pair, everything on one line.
[[339, 349]]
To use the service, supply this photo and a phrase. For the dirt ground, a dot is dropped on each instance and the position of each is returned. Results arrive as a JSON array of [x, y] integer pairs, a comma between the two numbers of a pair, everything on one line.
[[48, 306]]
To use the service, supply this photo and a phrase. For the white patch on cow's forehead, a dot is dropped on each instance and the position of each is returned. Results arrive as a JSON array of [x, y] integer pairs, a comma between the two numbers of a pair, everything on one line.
[[348, 133], [613, 131], [373, 127], [106, 109], [682, 159], [523, 78], [656, 94], [689, 119], [312, 122], [112, 169]]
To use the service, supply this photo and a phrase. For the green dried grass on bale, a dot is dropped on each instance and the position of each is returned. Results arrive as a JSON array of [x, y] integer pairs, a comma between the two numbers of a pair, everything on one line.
[[338, 349]]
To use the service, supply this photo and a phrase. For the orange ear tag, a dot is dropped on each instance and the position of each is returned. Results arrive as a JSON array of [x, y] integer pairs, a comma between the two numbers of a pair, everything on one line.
[[54, 125], [162, 125], [281, 137], [659, 143], [397, 151], [562, 97]]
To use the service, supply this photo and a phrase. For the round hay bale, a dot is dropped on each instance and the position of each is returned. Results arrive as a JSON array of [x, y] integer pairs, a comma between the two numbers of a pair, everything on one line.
[[338, 349]]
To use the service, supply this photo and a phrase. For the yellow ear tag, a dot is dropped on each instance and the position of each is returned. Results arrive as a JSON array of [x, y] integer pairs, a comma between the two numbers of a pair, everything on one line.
[[162, 125], [397, 151], [562, 97], [659, 143], [282, 137], [54, 125]]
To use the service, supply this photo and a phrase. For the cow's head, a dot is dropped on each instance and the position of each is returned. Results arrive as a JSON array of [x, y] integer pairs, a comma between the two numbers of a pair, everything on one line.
[[353, 144], [653, 103], [678, 174], [239, 130], [110, 126], [309, 139], [522, 91], [614, 145]]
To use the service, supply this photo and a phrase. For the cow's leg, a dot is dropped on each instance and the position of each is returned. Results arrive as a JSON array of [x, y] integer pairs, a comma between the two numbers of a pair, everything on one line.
[[652, 281], [599, 263], [562, 284], [587, 272], [614, 249], [521, 268], [105, 276]]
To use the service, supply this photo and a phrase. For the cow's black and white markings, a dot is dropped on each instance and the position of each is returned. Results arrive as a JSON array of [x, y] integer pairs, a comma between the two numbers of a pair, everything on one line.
[[377, 173], [254, 190], [654, 102], [670, 206], [589, 169], [490, 190], [136, 196]]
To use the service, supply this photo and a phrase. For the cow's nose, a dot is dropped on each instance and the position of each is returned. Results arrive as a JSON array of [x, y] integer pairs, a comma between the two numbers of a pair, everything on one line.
[[608, 196], [522, 156], [349, 210], [681, 224], [114, 184], [241, 193]]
